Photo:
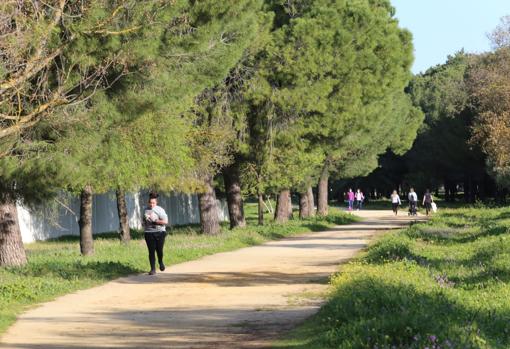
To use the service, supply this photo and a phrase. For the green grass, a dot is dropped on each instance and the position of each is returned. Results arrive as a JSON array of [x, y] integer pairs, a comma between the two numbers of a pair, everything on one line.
[[444, 283], [56, 268]]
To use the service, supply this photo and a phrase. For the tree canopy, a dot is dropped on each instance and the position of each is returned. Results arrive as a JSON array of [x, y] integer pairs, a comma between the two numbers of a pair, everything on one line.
[[166, 94]]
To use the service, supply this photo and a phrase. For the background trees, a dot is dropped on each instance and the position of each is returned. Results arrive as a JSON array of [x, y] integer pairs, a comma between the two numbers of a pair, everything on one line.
[[463, 139], [443, 95]]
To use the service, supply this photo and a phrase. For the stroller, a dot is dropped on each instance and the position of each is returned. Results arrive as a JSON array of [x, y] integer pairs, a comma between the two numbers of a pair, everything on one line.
[[412, 209]]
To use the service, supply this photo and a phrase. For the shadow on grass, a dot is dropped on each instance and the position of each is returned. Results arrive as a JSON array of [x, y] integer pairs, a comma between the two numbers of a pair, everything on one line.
[[483, 271], [316, 226], [366, 312], [135, 234], [81, 269], [457, 234]]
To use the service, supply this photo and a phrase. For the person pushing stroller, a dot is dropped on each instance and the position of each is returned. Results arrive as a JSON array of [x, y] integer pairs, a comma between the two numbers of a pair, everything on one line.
[[413, 200]]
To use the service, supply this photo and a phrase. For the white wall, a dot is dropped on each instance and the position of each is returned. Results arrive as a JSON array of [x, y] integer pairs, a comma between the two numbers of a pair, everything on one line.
[[42, 223]]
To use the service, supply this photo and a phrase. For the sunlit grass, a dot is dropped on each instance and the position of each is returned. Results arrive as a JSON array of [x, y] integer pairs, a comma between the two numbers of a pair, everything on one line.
[[439, 284]]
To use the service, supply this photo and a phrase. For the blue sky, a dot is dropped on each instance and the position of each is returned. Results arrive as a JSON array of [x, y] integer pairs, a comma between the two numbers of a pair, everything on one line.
[[443, 27]]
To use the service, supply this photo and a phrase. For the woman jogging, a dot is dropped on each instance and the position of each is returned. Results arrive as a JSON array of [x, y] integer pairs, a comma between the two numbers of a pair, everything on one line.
[[395, 202], [155, 220], [427, 201]]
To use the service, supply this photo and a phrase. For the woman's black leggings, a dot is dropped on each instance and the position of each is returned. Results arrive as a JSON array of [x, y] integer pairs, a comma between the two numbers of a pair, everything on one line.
[[155, 243]]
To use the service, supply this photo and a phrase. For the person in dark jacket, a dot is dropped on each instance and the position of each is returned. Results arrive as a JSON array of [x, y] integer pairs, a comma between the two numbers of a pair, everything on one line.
[[427, 201]]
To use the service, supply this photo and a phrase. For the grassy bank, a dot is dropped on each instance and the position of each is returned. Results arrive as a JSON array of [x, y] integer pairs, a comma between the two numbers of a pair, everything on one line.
[[440, 284], [56, 268]]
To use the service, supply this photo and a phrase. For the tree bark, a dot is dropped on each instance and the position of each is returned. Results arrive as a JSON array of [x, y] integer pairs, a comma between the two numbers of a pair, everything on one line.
[[209, 219], [311, 202], [86, 239], [322, 204], [282, 206], [125, 234], [234, 199], [261, 209], [291, 213], [304, 205], [12, 251]]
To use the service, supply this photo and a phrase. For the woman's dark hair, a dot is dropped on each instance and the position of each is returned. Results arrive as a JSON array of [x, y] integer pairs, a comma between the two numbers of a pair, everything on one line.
[[153, 195]]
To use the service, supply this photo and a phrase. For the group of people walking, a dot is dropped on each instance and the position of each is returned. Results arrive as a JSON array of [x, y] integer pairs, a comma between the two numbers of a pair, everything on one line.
[[355, 199], [427, 202]]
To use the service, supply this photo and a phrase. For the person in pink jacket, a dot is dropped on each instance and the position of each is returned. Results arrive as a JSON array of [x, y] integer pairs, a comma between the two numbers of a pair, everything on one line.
[[350, 198]]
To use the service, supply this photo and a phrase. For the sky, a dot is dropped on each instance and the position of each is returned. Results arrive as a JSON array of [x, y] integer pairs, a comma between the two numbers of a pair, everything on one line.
[[443, 27]]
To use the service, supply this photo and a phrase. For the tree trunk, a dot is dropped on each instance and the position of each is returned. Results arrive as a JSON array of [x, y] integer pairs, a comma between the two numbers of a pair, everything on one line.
[[125, 234], [261, 209], [234, 198], [209, 219], [322, 204], [282, 206], [12, 252], [304, 205], [86, 239], [311, 202], [449, 190], [291, 213]]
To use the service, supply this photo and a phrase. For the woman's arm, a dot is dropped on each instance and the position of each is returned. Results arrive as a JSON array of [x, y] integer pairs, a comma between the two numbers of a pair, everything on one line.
[[161, 222]]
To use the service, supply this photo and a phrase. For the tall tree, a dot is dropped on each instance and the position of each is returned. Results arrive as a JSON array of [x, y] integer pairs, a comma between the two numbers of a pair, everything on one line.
[[489, 81], [218, 125], [332, 73]]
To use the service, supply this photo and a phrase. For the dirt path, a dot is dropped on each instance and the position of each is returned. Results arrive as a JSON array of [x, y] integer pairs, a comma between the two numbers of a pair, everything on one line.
[[239, 299]]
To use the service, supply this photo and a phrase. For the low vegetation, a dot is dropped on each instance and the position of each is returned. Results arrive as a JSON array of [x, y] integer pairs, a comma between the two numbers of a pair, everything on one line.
[[444, 283]]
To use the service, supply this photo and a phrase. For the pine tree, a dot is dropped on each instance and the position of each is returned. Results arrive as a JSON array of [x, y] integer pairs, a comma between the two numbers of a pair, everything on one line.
[[329, 77], [489, 86]]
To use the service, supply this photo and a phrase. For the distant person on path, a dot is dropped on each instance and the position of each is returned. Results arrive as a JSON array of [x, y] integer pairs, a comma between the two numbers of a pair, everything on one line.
[[350, 199], [413, 200], [359, 199], [155, 220], [427, 201], [395, 202]]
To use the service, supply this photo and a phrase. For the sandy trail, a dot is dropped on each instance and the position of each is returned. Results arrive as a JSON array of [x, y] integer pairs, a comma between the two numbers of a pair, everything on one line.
[[239, 299]]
